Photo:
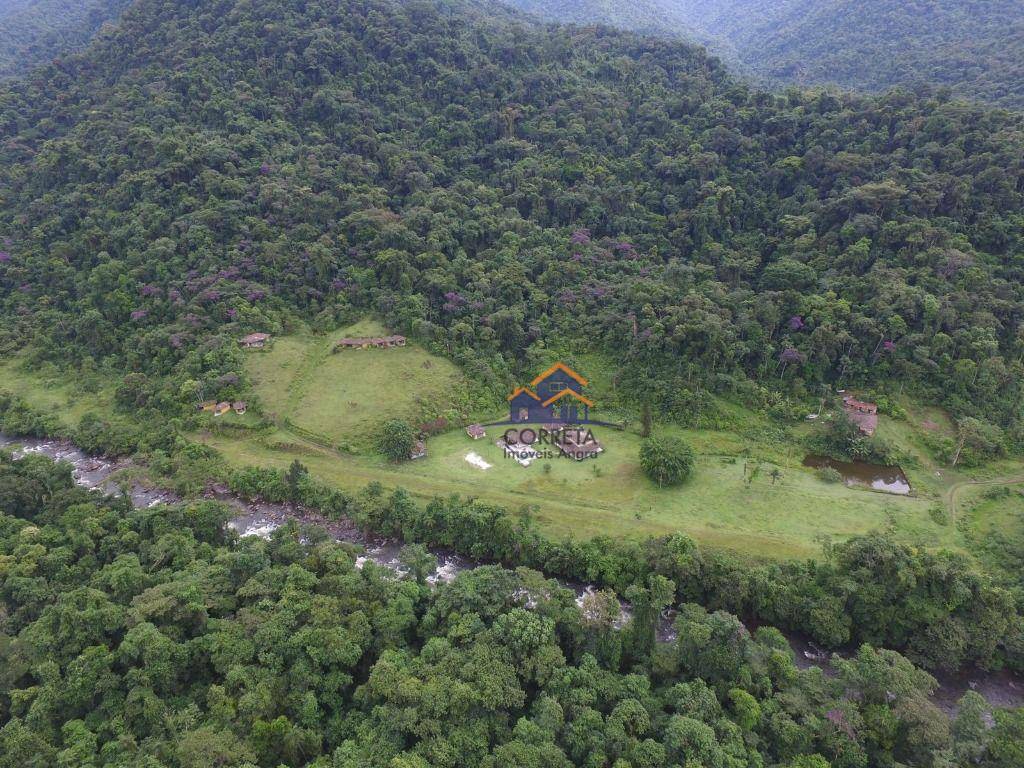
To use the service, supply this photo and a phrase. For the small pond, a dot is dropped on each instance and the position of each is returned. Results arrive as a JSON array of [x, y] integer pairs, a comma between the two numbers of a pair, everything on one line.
[[874, 476]]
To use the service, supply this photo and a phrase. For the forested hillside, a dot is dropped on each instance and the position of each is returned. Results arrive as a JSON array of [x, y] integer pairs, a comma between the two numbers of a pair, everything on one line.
[[500, 192], [210, 169], [974, 47], [33, 32]]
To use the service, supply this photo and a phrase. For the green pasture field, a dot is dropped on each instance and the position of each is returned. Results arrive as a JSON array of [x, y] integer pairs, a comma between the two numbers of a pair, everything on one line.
[[343, 397], [53, 392], [323, 408], [733, 501], [609, 495]]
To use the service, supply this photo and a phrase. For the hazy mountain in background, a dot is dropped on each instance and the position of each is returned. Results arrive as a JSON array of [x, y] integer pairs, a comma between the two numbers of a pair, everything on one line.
[[975, 47], [658, 16], [33, 32]]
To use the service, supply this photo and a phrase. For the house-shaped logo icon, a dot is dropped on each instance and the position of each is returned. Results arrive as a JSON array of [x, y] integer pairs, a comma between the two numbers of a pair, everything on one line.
[[554, 397]]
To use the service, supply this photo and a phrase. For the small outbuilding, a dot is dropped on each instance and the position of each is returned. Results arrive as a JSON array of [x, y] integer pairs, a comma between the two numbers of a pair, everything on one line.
[[255, 340], [206, 405], [239, 407], [376, 342], [476, 431], [578, 444], [221, 409], [419, 450]]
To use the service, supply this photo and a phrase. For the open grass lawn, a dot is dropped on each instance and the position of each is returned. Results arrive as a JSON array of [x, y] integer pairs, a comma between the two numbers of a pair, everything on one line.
[[610, 496], [991, 517], [345, 396], [54, 392], [731, 502]]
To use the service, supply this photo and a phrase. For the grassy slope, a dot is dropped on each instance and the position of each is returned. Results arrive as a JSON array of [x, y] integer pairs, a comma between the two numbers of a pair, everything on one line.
[[53, 392], [344, 396], [991, 518], [785, 519]]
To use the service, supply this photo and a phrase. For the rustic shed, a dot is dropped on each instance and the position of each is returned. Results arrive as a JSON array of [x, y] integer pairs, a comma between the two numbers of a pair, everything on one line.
[[255, 340]]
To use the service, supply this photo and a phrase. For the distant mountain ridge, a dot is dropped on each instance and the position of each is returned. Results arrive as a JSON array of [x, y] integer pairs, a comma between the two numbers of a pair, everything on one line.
[[975, 47], [642, 15]]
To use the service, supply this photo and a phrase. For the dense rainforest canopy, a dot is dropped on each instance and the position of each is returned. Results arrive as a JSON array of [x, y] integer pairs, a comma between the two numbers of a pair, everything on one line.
[[500, 191], [213, 168]]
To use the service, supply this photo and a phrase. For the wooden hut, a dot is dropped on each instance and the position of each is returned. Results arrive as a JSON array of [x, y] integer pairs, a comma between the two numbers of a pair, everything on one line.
[[255, 340], [577, 443]]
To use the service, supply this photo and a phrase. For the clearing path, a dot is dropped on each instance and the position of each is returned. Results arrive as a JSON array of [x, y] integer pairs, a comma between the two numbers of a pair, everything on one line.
[[953, 493]]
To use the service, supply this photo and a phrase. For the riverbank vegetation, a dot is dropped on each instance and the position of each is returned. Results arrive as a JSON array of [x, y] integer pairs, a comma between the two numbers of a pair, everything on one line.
[[946, 616], [731, 503], [732, 257], [157, 637]]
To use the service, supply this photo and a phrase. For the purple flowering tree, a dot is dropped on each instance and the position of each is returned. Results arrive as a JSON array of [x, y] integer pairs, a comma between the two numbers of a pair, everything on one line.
[[580, 237], [453, 301]]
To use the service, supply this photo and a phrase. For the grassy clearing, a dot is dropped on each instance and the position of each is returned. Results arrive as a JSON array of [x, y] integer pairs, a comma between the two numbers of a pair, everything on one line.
[[52, 391], [991, 518], [298, 381], [732, 501], [610, 496], [345, 396]]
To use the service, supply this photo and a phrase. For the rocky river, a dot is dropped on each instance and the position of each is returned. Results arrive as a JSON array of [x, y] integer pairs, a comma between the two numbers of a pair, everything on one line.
[[1000, 689]]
